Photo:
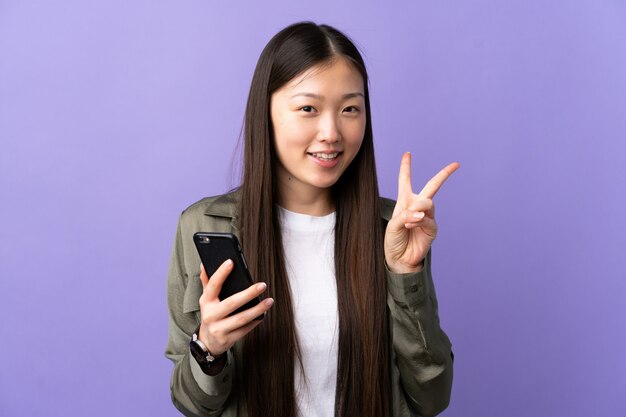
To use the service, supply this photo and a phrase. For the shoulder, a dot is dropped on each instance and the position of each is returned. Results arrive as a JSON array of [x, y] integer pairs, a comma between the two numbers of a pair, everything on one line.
[[215, 213], [222, 205], [386, 207]]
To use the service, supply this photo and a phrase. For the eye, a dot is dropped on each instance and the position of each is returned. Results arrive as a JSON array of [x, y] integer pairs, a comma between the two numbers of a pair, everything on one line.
[[306, 109], [354, 109]]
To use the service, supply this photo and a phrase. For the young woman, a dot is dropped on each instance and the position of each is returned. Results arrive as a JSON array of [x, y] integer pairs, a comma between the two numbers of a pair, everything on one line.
[[351, 327]]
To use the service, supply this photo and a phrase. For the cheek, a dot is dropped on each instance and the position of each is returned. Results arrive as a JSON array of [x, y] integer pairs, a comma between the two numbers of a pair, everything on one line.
[[354, 136], [294, 133], [290, 139]]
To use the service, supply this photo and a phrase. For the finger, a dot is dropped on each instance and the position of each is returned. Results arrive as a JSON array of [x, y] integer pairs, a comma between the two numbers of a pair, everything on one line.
[[420, 204], [404, 178], [203, 276], [235, 301], [435, 183], [214, 286], [409, 216], [427, 225], [223, 338], [234, 322], [239, 333]]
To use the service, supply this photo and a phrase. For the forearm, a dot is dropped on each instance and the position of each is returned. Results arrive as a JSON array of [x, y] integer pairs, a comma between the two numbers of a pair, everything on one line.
[[422, 349], [199, 395], [194, 396], [424, 360]]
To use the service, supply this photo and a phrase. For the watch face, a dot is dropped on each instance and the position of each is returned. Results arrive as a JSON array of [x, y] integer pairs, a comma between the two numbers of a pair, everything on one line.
[[197, 352]]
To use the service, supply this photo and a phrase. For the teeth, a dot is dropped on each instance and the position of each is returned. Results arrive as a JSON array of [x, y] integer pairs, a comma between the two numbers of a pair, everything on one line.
[[327, 156]]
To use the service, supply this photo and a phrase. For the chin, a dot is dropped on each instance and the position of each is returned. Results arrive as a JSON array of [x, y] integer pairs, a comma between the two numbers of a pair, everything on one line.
[[324, 184]]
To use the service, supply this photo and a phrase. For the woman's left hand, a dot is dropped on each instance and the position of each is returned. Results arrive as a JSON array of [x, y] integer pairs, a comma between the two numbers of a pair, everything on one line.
[[412, 228]]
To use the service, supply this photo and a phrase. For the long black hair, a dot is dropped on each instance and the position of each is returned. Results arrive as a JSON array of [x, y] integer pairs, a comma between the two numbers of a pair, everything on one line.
[[271, 350]]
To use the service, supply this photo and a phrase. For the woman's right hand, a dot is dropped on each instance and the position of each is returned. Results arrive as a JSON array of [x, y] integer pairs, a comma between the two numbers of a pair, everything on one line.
[[218, 331]]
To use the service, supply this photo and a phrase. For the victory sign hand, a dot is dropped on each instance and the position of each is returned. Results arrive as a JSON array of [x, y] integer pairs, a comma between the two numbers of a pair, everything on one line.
[[412, 228]]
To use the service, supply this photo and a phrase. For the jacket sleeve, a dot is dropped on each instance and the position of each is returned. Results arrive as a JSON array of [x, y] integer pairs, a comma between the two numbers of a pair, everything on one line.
[[199, 395], [423, 351]]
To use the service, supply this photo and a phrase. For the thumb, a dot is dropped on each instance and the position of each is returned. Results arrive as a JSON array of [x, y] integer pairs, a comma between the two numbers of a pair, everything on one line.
[[403, 217]]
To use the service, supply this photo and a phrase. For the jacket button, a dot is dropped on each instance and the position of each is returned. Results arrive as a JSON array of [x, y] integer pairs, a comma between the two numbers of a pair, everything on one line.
[[413, 288], [226, 378]]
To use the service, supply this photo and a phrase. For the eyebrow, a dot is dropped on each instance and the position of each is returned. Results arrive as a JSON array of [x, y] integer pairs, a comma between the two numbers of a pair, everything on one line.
[[317, 96]]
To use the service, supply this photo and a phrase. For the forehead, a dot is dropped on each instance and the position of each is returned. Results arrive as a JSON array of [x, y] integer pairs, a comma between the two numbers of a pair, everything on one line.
[[337, 74]]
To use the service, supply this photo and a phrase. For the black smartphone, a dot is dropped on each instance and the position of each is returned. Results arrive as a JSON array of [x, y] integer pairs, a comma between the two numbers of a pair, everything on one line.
[[214, 249]]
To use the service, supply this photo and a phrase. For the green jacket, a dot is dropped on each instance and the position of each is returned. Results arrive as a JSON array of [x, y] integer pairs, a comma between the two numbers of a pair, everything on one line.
[[421, 357]]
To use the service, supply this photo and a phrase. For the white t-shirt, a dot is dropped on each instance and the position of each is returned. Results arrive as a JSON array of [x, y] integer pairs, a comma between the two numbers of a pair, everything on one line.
[[309, 244]]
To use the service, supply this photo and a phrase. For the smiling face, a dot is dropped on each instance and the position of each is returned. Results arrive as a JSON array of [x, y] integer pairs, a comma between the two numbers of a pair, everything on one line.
[[318, 120]]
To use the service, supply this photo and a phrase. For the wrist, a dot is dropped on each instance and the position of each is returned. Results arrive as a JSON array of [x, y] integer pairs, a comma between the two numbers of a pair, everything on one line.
[[199, 332], [217, 365], [211, 364], [402, 268]]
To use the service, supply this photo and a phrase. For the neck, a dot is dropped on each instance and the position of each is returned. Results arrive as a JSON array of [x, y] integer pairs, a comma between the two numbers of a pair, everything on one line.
[[305, 200]]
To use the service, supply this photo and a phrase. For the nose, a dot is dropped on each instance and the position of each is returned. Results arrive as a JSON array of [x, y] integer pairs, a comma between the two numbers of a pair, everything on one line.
[[329, 129]]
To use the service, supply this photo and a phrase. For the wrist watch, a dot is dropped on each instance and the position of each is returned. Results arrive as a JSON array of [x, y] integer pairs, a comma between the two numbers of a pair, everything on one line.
[[201, 354]]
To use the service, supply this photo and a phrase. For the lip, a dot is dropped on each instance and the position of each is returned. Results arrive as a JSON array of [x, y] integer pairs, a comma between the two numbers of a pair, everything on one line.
[[327, 151], [326, 164]]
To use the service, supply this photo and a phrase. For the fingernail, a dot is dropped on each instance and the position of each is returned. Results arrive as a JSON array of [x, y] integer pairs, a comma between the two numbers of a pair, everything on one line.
[[418, 215], [229, 262], [262, 286], [269, 301]]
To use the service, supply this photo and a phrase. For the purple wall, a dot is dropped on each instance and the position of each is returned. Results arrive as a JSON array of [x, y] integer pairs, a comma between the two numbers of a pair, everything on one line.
[[116, 115]]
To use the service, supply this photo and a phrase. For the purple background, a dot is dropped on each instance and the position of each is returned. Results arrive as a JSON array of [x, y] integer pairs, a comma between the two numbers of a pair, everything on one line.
[[116, 115]]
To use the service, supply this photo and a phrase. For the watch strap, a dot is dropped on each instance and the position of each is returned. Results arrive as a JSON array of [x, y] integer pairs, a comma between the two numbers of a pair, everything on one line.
[[203, 356]]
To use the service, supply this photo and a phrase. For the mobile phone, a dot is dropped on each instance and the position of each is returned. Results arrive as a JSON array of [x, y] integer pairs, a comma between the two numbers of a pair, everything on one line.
[[214, 249]]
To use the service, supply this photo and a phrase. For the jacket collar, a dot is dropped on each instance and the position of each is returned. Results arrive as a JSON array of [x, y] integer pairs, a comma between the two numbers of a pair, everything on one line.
[[225, 205]]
